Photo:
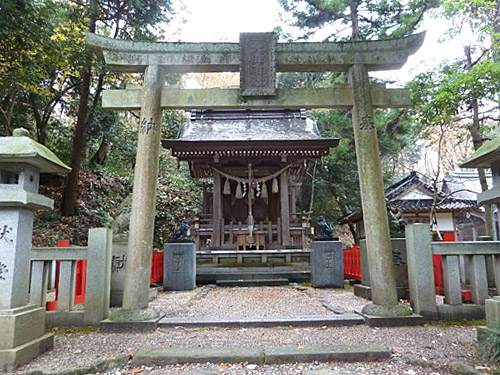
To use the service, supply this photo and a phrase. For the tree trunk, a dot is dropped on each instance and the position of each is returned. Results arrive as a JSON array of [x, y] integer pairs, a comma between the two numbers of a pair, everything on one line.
[[100, 156], [7, 114], [69, 202], [355, 20], [92, 109], [477, 141]]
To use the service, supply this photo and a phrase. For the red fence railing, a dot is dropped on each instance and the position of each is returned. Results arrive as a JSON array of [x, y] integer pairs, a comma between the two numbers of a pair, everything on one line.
[[352, 263], [81, 277]]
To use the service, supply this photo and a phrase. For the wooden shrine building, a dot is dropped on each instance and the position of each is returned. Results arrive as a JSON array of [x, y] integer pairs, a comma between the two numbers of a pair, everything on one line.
[[254, 160]]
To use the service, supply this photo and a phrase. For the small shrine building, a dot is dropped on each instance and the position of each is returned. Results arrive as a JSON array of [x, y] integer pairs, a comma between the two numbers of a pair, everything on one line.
[[254, 160]]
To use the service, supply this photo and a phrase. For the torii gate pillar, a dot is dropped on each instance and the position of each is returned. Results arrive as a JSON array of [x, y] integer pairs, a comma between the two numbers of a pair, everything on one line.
[[140, 243], [372, 192]]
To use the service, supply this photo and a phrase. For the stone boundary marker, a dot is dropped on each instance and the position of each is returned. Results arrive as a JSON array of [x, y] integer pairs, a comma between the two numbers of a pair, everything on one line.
[[273, 355]]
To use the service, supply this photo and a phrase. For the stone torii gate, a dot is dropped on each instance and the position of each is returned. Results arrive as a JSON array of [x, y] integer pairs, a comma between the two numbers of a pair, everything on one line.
[[257, 57]]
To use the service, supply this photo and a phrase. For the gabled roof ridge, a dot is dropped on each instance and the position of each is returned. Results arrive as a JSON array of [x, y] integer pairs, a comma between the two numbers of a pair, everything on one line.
[[401, 186]]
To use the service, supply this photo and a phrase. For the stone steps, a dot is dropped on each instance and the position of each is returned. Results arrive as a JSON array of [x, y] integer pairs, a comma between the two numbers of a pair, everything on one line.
[[336, 320], [252, 282], [207, 275]]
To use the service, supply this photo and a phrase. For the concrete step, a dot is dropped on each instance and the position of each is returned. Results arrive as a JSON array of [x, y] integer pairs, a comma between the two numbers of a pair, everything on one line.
[[259, 356], [252, 282], [337, 320]]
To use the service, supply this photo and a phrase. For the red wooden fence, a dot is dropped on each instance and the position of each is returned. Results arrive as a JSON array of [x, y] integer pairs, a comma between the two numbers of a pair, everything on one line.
[[80, 280], [352, 263], [352, 267], [81, 277]]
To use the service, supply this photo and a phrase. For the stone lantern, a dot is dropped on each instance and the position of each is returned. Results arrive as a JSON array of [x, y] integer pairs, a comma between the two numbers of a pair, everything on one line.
[[22, 325], [488, 156]]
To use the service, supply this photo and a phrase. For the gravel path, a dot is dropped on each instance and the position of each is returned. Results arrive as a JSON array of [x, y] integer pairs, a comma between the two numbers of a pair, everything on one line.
[[416, 350]]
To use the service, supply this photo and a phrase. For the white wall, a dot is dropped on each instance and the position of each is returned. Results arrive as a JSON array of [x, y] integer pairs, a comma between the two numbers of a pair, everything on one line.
[[445, 221]]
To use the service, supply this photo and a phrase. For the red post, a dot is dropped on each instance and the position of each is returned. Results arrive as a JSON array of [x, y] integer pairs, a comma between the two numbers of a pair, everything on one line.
[[157, 267]]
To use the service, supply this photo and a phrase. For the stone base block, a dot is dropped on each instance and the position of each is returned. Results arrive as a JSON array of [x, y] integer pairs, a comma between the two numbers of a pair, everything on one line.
[[394, 321], [390, 316], [459, 312], [365, 292], [142, 326], [116, 298], [179, 266], [21, 325], [327, 264], [492, 307], [131, 320], [12, 358], [66, 318]]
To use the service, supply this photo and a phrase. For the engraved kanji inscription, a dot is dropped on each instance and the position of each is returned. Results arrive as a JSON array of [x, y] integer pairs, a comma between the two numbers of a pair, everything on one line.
[[367, 123], [397, 258], [147, 125], [329, 259], [5, 234], [118, 262], [178, 262], [258, 70], [3, 271]]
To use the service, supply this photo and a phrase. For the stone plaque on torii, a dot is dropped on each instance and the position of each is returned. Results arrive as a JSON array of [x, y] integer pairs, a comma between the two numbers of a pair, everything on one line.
[[257, 57]]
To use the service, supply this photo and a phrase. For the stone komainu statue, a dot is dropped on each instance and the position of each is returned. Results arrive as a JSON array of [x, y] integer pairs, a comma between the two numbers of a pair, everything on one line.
[[396, 223], [325, 230], [121, 222], [180, 233]]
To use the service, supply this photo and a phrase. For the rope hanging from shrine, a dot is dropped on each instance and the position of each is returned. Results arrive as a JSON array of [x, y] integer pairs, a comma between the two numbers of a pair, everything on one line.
[[241, 187]]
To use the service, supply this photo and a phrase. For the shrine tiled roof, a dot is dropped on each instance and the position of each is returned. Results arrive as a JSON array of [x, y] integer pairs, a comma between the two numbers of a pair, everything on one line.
[[249, 125], [413, 194], [250, 133], [426, 204]]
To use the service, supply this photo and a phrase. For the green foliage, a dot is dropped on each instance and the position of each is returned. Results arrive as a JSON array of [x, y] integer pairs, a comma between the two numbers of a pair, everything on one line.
[[366, 19], [32, 63], [336, 179], [456, 323], [178, 197], [70, 330], [440, 96], [480, 16], [489, 345], [464, 92]]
